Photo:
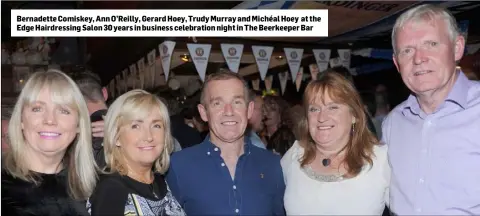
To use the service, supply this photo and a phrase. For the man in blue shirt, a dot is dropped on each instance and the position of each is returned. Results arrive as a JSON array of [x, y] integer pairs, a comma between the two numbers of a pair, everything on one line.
[[226, 174]]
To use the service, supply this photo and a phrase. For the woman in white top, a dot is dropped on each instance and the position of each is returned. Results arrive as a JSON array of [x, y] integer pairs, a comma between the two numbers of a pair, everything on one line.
[[337, 167]]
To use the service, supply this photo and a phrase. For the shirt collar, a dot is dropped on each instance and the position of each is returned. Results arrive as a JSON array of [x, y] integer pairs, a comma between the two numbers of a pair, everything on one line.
[[458, 95], [212, 149]]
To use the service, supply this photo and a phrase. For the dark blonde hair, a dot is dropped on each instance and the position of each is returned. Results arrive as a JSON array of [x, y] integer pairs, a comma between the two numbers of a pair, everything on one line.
[[359, 149]]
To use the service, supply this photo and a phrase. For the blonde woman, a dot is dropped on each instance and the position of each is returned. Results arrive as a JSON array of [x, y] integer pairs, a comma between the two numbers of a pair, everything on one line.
[[49, 168], [137, 151]]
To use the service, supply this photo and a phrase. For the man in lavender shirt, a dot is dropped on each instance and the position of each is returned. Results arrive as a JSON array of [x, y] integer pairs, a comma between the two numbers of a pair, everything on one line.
[[433, 136]]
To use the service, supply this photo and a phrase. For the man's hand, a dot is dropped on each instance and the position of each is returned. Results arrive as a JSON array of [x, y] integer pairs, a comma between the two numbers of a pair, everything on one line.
[[98, 128]]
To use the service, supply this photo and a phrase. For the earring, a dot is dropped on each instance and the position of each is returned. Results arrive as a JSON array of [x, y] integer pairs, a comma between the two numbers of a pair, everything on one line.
[[353, 128]]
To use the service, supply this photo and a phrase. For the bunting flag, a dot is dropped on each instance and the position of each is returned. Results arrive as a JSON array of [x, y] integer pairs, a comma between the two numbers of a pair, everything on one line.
[[283, 77], [133, 76], [256, 84], [200, 54], [299, 79], [166, 51], [294, 59], [159, 80], [262, 57], [119, 84], [268, 82], [344, 55], [233, 55], [151, 69], [335, 62], [322, 56], [141, 72], [313, 71], [125, 73]]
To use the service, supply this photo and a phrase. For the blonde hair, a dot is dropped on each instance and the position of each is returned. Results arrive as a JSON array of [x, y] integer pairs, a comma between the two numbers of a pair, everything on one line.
[[428, 13], [133, 105], [78, 159]]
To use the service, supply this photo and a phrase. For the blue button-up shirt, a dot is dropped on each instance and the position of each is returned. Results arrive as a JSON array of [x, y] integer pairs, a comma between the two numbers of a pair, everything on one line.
[[435, 158], [200, 180]]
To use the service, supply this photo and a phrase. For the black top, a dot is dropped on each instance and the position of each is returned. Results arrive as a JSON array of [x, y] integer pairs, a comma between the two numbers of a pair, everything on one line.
[[116, 194], [49, 197], [281, 140], [97, 142]]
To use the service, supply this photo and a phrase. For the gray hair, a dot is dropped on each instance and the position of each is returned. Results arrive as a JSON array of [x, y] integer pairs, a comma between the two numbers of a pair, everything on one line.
[[428, 13]]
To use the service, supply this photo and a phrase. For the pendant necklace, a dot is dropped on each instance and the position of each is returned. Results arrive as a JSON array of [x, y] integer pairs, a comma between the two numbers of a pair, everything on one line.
[[327, 161]]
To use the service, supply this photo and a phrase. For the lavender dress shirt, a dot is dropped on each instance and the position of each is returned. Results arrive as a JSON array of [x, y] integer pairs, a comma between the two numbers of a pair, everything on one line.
[[435, 158]]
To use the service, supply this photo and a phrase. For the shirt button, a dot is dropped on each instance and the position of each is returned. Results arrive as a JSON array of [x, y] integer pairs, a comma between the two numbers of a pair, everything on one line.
[[418, 210], [236, 210], [208, 153], [421, 181], [223, 164], [234, 187], [215, 149]]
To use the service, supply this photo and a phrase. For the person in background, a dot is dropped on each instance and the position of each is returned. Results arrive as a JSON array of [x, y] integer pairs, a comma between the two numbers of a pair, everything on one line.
[[382, 107], [6, 114], [226, 174], [256, 121], [433, 136], [295, 115], [95, 96], [185, 135], [338, 166], [137, 146], [49, 169], [279, 128]]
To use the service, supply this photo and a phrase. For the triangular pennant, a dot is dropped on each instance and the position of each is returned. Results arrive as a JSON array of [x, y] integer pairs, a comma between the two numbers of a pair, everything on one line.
[[294, 59], [335, 62], [124, 73], [151, 69], [233, 55], [313, 71], [344, 55], [133, 76], [159, 80], [141, 72], [283, 77], [299, 79], [268, 82], [262, 57], [118, 86], [256, 84], [166, 51], [322, 56], [200, 54]]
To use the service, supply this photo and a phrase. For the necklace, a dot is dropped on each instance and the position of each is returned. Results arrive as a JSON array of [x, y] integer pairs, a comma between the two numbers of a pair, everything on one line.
[[326, 162]]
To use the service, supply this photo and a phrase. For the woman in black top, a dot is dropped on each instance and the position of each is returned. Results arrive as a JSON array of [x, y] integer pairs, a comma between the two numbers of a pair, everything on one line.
[[137, 144], [49, 168]]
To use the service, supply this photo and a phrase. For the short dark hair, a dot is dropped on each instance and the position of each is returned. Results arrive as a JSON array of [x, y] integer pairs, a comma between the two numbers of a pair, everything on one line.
[[90, 85], [224, 75]]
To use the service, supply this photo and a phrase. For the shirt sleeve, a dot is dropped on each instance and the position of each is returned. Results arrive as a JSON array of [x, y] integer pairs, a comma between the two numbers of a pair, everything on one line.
[[172, 182], [386, 127], [387, 176], [278, 200], [109, 198]]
